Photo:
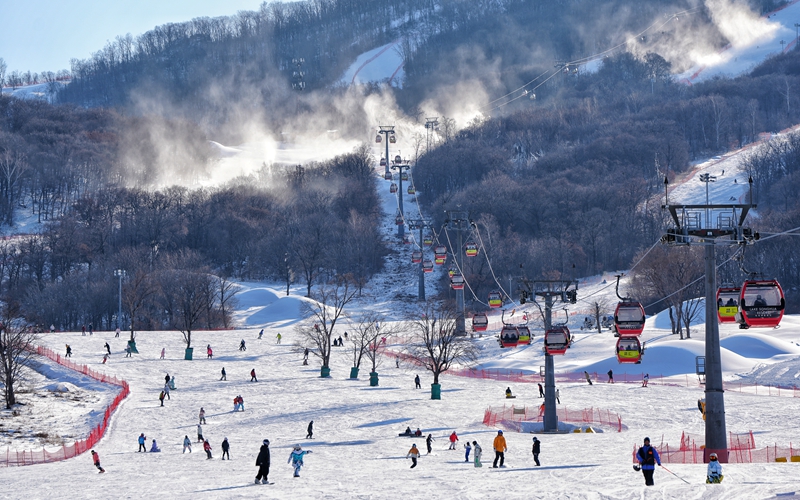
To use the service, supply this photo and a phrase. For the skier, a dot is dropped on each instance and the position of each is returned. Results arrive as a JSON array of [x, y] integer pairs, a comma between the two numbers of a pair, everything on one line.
[[225, 447], [105, 358], [305, 354], [645, 379], [242, 346], [69, 352], [142, 439], [535, 450], [469, 449], [166, 390], [236, 403], [541, 391], [416, 383], [161, 398], [453, 441], [310, 434], [477, 454], [96, 460], [648, 457], [428, 441], [558, 396], [253, 375], [83, 330], [414, 454], [262, 462], [588, 378], [163, 352], [166, 378], [200, 433], [610, 376], [209, 352], [202, 416], [241, 403], [108, 348], [296, 459], [714, 474], [154, 448], [116, 334], [278, 336], [224, 375], [128, 352], [187, 444], [91, 329], [207, 449], [52, 328], [260, 334], [500, 449]]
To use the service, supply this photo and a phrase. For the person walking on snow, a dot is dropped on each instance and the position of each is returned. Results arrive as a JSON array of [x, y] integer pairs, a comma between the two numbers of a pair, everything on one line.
[[253, 375], [558, 396], [224, 375], [310, 434], [714, 474], [648, 458], [296, 459], [453, 440], [428, 441], [161, 398], [209, 352], [207, 449], [610, 376], [187, 444], [225, 447], [202, 418], [477, 454], [645, 379], [541, 391], [163, 352], [500, 449], [278, 336], [242, 346], [262, 462], [469, 449], [166, 390], [413, 453], [69, 352], [96, 460], [535, 450], [416, 383], [200, 433], [142, 440]]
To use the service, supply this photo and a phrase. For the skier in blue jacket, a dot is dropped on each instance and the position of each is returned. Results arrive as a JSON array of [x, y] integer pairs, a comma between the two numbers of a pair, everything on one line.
[[648, 458], [296, 459]]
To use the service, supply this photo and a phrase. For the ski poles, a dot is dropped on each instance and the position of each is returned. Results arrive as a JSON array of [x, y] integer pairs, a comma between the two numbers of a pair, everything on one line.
[[682, 479]]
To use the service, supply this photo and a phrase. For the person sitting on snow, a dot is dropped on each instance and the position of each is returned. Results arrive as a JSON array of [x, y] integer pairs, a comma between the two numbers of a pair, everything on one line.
[[714, 474], [154, 448]]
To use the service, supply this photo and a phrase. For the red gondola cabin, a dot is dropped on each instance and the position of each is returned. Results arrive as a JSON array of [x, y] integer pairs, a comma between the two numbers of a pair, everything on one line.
[[728, 303], [761, 304], [480, 322], [629, 318]]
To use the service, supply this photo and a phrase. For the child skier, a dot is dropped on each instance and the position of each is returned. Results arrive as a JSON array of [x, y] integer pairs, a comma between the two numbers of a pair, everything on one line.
[[202, 417], [142, 439], [477, 454], [414, 454], [96, 460], [207, 449], [296, 459], [714, 474], [468, 448], [453, 440], [200, 433], [187, 444]]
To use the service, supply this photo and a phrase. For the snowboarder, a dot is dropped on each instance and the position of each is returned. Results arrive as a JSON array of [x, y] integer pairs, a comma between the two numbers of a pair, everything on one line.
[[161, 398], [200, 438], [225, 447], [535, 450], [588, 378], [541, 391], [105, 358], [207, 449], [508, 392], [209, 352], [416, 383], [69, 352], [224, 375], [242, 346], [108, 348], [500, 449], [714, 474], [469, 449], [166, 378], [296, 459], [253, 375], [453, 440], [558, 396], [202, 416], [645, 379], [154, 448], [477, 454], [414, 454], [128, 352], [610, 376], [428, 441], [163, 352], [310, 434], [187, 444], [96, 460], [260, 334], [278, 336], [262, 462], [142, 440], [648, 458], [305, 354]]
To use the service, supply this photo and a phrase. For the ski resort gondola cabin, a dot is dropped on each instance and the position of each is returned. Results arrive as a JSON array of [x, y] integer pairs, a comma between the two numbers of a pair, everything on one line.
[[378, 138], [383, 162], [480, 322], [387, 176], [404, 176], [556, 340], [629, 350], [393, 188], [524, 334], [495, 299], [728, 303], [399, 220], [416, 257], [457, 281], [412, 189], [761, 304], [629, 318], [427, 241], [427, 266], [392, 139], [509, 336], [471, 249]]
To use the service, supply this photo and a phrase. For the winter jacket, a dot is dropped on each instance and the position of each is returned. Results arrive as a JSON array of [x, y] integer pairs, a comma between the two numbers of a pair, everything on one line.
[[714, 468], [142, 439], [536, 446], [187, 442], [453, 437], [263, 456], [648, 457], [413, 452], [225, 445], [296, 457], [96, 459], [206, 446], [500, 443], [478, 451]]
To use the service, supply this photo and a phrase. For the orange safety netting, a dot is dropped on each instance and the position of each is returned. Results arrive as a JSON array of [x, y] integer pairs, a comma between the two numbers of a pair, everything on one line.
[[511, 416]]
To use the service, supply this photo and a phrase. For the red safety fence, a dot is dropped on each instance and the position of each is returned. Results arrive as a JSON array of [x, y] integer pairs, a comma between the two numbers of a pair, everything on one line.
[[29, 457], [741, 449], [511, 416]]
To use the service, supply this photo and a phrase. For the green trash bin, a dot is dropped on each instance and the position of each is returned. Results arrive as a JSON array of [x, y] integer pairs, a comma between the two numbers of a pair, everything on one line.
[[324, 372], [436, 391], [373, 379], [354, 372], [132, 345], [188, 354]]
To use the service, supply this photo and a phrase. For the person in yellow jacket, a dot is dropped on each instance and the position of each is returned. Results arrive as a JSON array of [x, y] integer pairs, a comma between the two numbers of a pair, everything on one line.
[[414, 454], [500, 449]]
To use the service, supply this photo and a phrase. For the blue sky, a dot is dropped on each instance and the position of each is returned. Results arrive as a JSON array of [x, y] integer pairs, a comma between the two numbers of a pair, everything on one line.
[[43, 35]]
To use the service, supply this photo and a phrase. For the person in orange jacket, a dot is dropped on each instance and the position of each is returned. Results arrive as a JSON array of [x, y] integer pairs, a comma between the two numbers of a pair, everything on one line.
[[414, 454], [500, 449]]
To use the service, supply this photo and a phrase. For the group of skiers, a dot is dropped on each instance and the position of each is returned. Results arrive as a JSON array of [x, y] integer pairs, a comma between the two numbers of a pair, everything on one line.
[[647, 458], [499, 445]]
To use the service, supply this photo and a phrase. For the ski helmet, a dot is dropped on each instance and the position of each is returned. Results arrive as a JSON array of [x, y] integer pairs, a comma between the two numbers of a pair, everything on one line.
[[266, 441], [647, 440], [499, 432], [713, 456]]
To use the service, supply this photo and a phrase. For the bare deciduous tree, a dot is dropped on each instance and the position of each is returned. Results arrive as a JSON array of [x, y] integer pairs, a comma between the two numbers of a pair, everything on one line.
[[16, 349]]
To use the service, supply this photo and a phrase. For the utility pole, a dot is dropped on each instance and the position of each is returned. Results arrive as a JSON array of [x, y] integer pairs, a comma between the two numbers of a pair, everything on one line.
[[707, 225], [431, 127], [420, 224], [550, 291], [459, 220], [297, 79], [388, 132], [120, 273], [400, 165]]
